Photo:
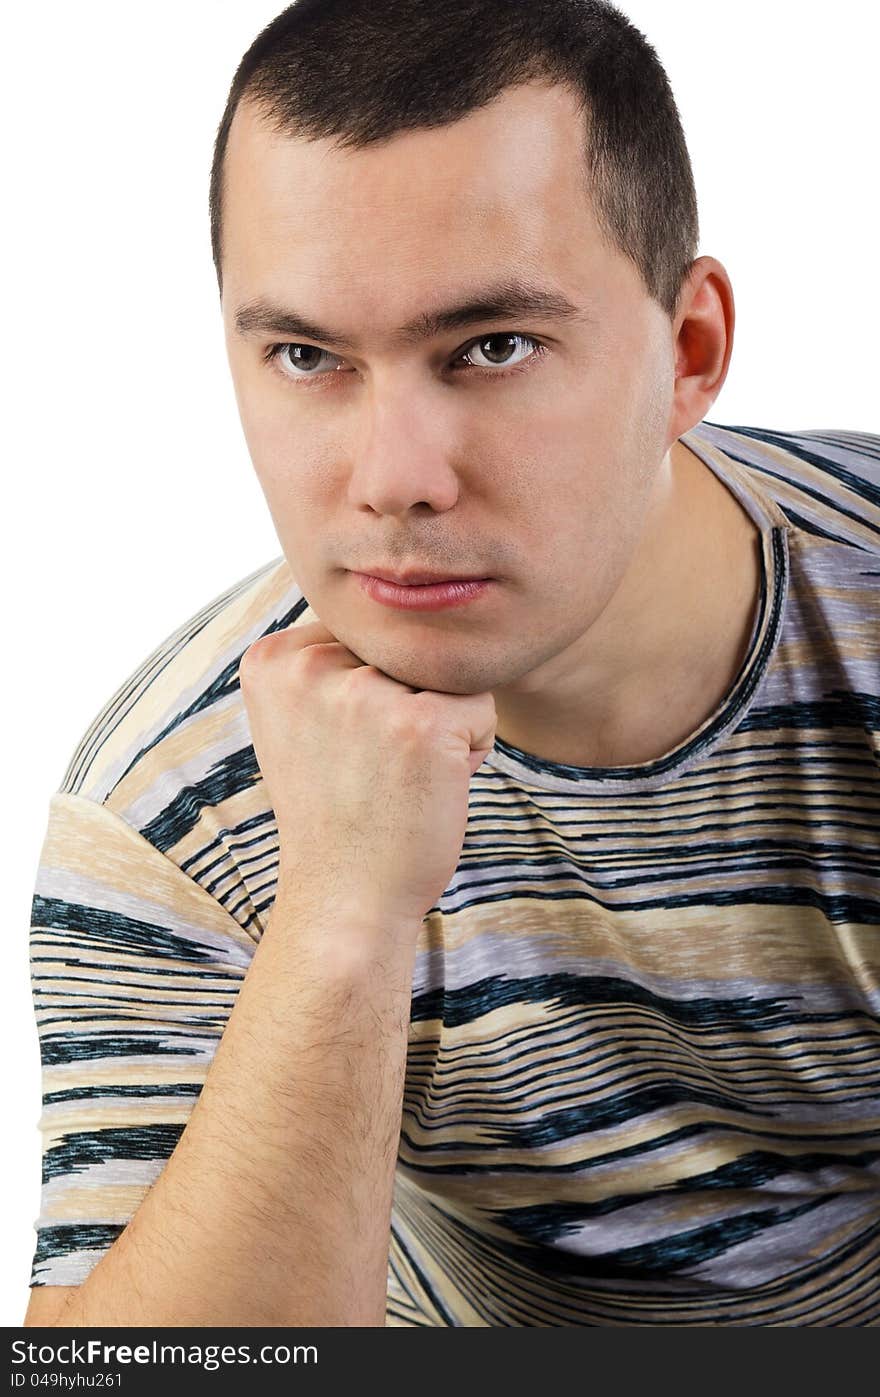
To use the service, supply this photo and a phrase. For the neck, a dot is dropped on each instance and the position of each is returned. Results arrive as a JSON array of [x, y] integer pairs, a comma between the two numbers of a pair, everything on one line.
[[665, 651]]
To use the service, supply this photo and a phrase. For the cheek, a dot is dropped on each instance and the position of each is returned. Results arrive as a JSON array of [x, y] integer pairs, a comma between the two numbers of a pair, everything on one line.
[[271, 426], [264, 434], [586, 516]]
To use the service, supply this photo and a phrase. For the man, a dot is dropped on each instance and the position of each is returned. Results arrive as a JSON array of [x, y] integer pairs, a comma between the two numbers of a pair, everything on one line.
[[497, 951]]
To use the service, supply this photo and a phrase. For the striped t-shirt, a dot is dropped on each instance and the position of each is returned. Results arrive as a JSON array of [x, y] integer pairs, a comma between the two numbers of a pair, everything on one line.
[[643, 1070]]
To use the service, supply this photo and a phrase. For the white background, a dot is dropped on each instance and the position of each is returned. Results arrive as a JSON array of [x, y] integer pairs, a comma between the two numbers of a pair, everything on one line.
[[128, 495]]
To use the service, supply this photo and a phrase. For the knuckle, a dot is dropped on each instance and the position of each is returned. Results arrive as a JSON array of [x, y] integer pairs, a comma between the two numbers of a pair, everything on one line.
[[360, 676], [265, 651], [251, 659], [307, 658], [415, 718]]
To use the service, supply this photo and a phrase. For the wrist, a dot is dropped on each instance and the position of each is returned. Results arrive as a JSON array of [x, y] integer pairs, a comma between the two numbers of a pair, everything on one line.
[[351, 936]]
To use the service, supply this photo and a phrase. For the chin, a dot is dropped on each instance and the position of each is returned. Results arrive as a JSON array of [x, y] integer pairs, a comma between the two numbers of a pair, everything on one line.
[[455, 676]]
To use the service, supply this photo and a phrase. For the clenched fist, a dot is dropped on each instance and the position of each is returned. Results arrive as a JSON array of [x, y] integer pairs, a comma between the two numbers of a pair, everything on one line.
[[368, 777]]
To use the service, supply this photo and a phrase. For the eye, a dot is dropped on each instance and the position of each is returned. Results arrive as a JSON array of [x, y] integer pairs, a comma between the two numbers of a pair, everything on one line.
[[305, 356], [502, 338], [299, 361]]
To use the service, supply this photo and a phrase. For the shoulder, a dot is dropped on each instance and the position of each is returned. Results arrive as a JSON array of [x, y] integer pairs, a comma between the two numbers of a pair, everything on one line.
[[825, 480], [176, 723]]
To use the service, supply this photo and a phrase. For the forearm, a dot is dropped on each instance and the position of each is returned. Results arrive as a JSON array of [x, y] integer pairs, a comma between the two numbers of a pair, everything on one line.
[[275, 1205]]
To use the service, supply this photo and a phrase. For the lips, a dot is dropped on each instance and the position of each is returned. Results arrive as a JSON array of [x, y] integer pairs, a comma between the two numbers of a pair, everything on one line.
[[419, 579], [433, 596]]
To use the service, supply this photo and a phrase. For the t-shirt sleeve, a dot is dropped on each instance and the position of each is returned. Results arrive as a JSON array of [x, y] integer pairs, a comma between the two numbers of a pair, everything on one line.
[[135, 968]]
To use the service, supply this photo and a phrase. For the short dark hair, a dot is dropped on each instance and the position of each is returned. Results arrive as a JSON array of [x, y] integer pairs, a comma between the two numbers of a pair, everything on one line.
[[361, 70]]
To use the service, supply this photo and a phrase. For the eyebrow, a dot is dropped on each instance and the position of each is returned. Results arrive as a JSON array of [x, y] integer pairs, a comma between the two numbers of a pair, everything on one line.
[[509, 300]]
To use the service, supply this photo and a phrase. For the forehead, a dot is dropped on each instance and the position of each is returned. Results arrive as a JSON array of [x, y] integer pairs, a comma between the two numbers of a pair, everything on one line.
[[501, 189]]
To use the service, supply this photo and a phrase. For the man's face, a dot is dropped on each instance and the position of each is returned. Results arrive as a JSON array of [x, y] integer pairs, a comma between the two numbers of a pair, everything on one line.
[[435, 453]]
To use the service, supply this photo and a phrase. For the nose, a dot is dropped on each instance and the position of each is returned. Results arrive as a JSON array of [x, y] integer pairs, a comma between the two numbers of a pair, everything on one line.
[[403, 452]]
